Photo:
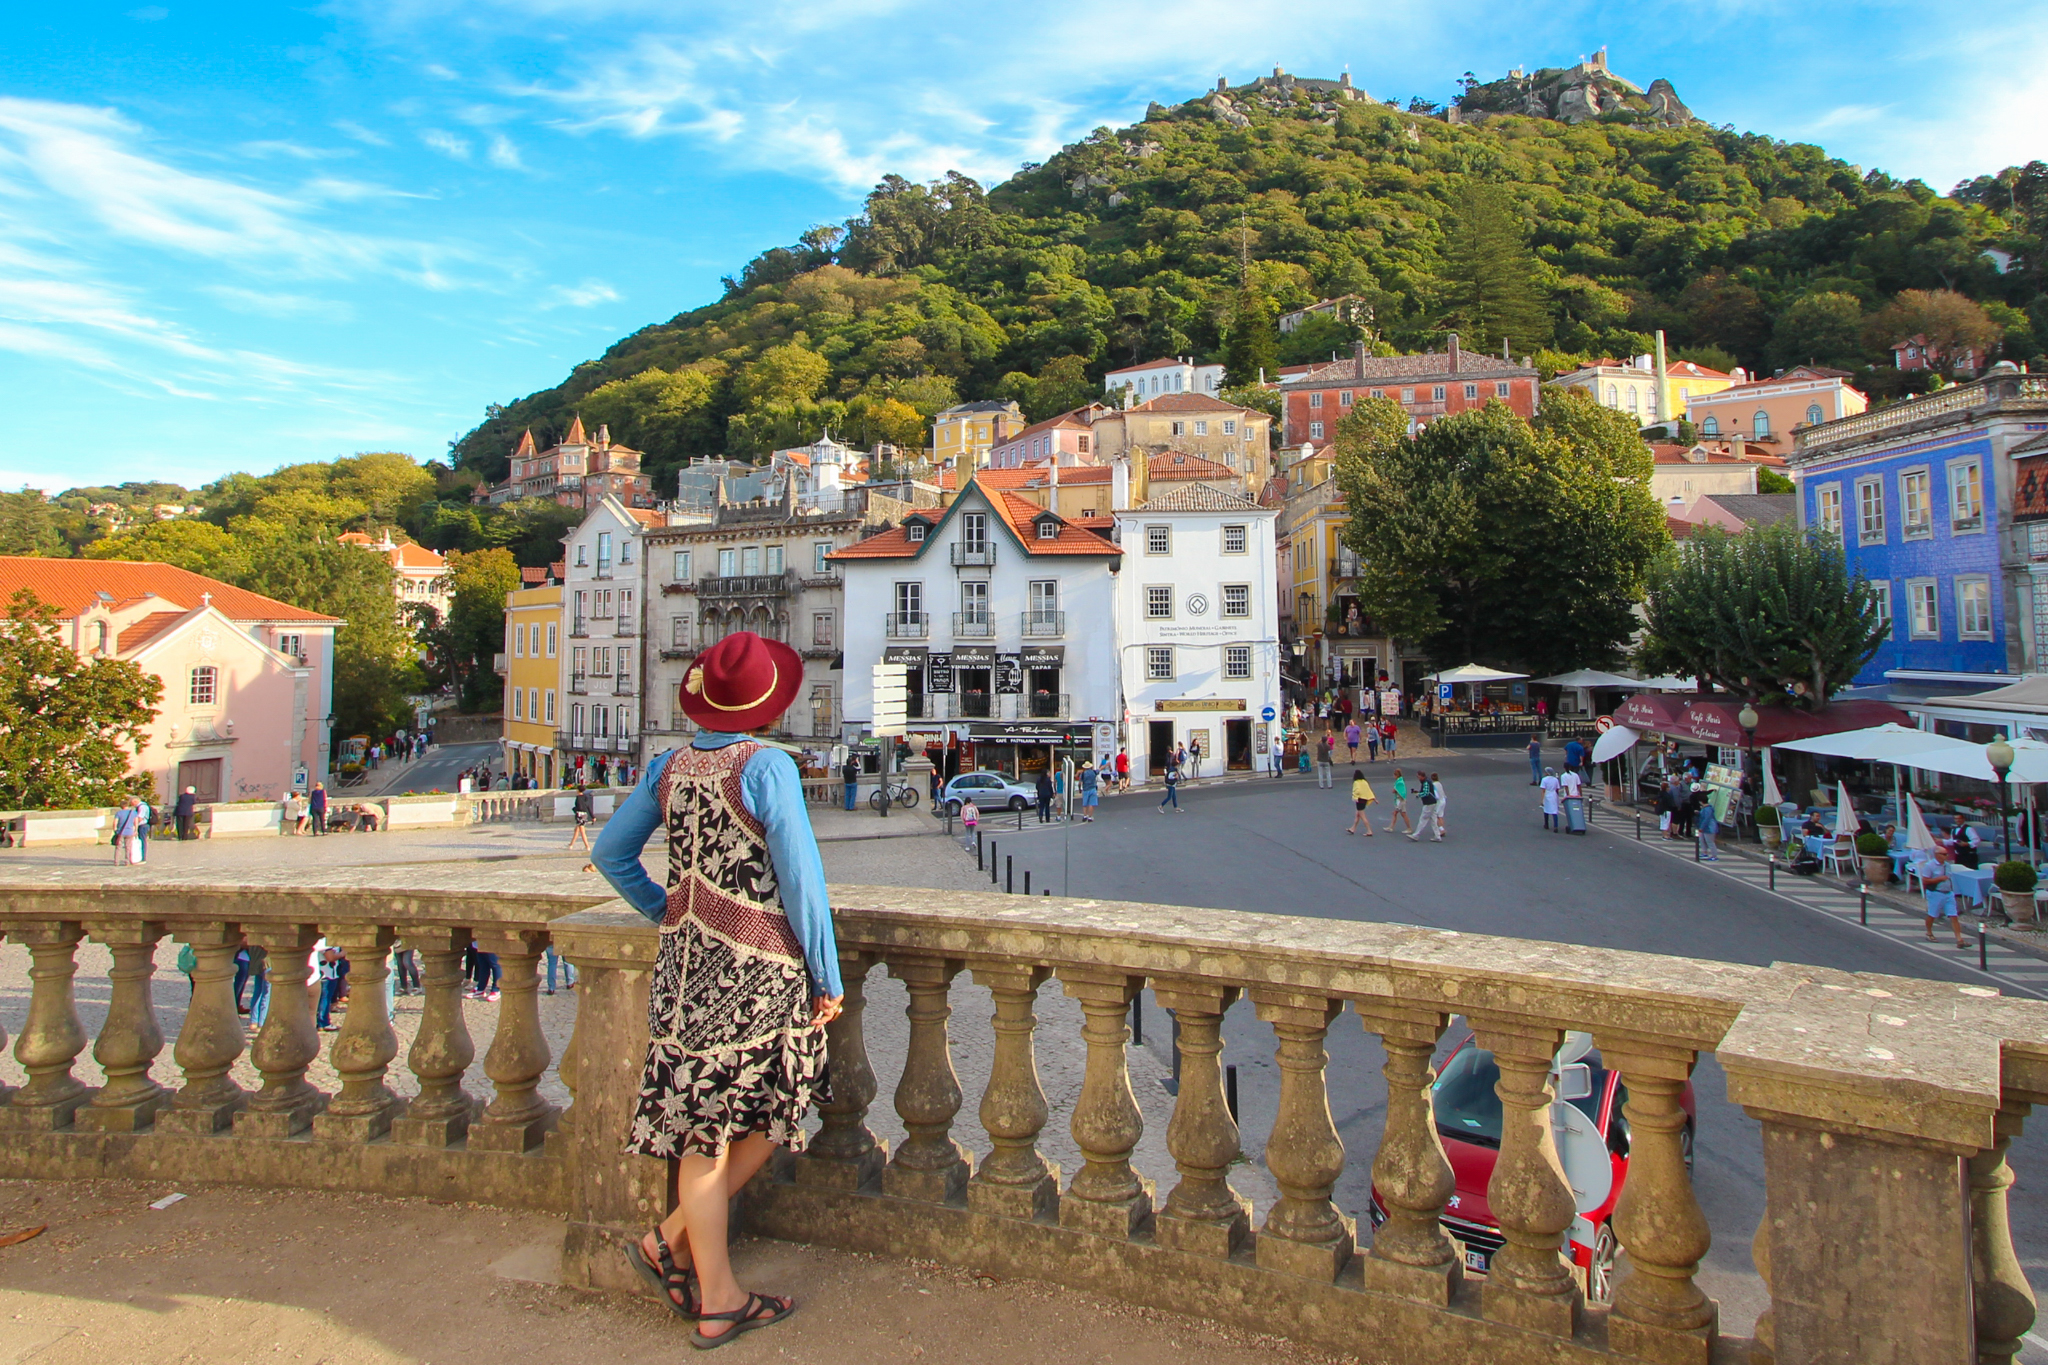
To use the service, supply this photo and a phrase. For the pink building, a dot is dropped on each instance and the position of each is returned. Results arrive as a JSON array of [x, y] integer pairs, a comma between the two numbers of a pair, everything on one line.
[[1068, 438], [248, 681]]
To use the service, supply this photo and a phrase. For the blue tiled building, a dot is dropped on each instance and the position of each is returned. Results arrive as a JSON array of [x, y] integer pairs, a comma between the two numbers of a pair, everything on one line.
[[1923, 496]]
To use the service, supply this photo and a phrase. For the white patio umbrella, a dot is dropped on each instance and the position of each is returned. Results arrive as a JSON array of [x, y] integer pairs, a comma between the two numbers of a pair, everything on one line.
[[1889, 743], [1918, 836], [1669, 683], [1474, 673], [1772, 796], [1845, 811], [1614, 742]]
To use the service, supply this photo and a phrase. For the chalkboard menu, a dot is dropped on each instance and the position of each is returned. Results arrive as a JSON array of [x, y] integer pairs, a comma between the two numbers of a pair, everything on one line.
[[1009, 674], [938, 675]]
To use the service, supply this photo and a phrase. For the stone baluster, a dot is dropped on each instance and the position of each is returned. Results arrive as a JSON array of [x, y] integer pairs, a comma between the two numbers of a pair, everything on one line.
[[1014, 1179], [517, 1118], [1528, 1284], [1304, 1234], [845, 1154], [1763, 1338], [288, 1041], [210, 1039], [1659, 1313], [52, 1038], [442, 1050], [2004, 1300], [129, 1039], [367, 1044], [1203, 1215], [929, 1165], [1106, 1196], [1411, 1255]]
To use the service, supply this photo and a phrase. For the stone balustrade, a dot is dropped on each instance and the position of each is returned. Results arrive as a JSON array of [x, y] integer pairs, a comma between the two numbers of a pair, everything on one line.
[[1887, 1106]]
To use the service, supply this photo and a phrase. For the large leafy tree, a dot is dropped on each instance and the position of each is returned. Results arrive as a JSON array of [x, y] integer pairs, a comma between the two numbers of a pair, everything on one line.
[[1773, 613], [69, 727], [1489, 539], [476, 622], [28, 525], [199, 546], [1952, 325]]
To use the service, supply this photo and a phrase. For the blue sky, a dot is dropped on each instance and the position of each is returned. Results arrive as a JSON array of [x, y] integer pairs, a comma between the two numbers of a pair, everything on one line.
[[237, 236]]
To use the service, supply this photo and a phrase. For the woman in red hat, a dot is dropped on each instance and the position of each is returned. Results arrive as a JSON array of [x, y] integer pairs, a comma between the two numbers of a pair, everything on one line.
[[746, 977]]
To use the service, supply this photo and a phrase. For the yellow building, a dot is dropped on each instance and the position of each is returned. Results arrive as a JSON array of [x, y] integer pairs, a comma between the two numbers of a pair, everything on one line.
[[532, 669], [1234, 437], [1631, 387], [1341, 647], [963, 436]]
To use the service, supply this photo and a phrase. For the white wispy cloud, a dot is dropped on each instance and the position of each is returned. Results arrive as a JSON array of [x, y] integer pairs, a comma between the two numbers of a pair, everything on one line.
[[267, 303], [350, 128], [582, 295], [446, 143], [504, 155]]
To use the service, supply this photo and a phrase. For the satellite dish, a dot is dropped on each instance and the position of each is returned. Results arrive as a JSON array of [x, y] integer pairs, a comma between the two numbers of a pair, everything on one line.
[[1587, 1167], [1576, 1046]]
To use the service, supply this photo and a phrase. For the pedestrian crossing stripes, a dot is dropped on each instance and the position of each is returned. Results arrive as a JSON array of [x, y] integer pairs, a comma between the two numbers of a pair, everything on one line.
[[2013, 972]]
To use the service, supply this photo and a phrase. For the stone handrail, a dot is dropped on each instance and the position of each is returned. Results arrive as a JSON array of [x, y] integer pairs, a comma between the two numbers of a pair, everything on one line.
[[1887, 1105], [1906, 412]]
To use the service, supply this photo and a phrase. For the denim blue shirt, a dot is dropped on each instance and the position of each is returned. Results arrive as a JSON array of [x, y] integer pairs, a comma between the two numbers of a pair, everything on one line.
[[773, 793]]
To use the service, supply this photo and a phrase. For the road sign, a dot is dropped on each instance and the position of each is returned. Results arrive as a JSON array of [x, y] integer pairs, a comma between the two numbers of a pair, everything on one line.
[[892, 695], [1268, 713], [1444, 690], [1603, 724]]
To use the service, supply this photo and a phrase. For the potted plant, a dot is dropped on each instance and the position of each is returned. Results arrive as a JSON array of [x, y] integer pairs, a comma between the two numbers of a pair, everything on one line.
[[1875, 855], [1767, 826], [2015, 881]]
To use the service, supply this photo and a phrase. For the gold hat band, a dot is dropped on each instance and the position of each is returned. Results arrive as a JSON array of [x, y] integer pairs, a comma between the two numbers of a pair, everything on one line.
[[695, 687]]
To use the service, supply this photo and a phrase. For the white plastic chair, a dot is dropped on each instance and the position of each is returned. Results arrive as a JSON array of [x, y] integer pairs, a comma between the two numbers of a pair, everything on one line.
[[1839, 852]]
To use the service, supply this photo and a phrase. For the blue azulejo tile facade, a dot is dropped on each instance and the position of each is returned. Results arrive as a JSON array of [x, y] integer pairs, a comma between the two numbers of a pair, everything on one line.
[[1920, 520]]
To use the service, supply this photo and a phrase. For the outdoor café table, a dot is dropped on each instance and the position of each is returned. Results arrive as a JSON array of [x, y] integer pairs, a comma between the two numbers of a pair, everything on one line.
[[1972, 882], [1900, 858], [1816, 844]]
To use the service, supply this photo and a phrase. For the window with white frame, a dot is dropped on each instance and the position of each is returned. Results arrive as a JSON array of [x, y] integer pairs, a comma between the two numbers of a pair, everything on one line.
[[1159, 663], [1237, 661], [582, 556], [1159, 602], [1760, 425], [910, 602], [1827, 501], [1870, 511], [679, 632], [1230, 426], [914, 532], [1923, 609], [1407, 395], [1436, 393], [626, 550], [682, 565], [773, 558], [1973, 608], [750, 560], [1916, 517], [819, 551], [1045, 599], [577, 657], [533, 640], [1379, 393], [974, 602], [1237, 599], [1344, 399], [974, 532], [205, 689], [601, 660], [1234, 540], [1966, 496], [1048, 529], [1710, 426], [1158, 540], [821, 629], [518, 641], [1471, 391], [519, 703], [1500, 390], [1814, 416], [1881, 595], [576, 720], [549, 697], [1315, 400], [625, 662], [1181, 428], [728, 563], [1201, 428], [1315, 431]]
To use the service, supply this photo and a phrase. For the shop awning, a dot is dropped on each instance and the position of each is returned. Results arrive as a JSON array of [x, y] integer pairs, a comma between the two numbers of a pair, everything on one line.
[[1474, 673], [1712, 720], [2028, 697], [1589, 677]]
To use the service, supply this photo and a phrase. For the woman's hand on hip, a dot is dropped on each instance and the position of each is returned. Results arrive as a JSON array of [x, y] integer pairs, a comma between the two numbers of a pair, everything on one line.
[[826, 1008]]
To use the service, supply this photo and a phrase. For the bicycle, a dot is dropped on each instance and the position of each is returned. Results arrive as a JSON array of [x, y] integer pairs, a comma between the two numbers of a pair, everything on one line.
[[902, 793]]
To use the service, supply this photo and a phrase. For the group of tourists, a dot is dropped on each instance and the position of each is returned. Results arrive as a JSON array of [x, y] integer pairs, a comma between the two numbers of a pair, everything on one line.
[[1426, 793]]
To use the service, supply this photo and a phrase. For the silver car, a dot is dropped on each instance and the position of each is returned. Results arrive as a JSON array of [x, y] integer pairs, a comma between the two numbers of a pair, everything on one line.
[[990, 790]]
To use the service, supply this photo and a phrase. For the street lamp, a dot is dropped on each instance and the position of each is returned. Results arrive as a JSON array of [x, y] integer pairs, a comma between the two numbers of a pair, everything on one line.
[[1999, 755], [1747, 719]]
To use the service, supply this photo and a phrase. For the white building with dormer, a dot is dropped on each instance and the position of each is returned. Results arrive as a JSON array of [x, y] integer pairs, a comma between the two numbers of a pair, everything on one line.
[[1197, 628], [999, 612]]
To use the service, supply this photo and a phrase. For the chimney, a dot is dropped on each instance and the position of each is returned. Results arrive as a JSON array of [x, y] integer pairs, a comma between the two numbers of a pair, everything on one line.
[[1454, 353], [1120, 484], [1358, 355], [1737, 446], [1657, 400]]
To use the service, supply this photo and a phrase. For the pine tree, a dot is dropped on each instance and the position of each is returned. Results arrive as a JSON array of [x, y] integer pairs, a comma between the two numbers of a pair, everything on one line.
[[1490, 276], [1254, 341]]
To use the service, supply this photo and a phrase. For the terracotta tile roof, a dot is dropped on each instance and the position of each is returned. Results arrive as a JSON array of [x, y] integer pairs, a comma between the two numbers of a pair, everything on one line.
[[1198, 497], [646, 516], [535, 576], [1686, 369], [141, 632], [1040, 476], [1429, 365], [417, 557], [72, 585], [354, 538], [1679, 529], [1191, 402], [576, 436], [894, 543], [1175, 464], [1020, 513]]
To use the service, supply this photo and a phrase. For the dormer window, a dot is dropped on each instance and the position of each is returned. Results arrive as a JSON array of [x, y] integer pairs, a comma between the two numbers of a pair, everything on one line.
[[1048, 529], [915, 530]]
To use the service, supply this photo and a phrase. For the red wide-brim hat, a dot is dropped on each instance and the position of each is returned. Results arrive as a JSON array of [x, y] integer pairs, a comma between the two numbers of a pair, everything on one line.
[[741, 683]]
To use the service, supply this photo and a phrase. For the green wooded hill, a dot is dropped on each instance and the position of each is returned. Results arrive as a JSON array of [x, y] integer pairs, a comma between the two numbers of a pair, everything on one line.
[[1186, 233]]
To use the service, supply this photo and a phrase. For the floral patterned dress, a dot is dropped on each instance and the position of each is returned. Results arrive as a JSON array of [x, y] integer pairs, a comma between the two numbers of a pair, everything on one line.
[[731, 1049]]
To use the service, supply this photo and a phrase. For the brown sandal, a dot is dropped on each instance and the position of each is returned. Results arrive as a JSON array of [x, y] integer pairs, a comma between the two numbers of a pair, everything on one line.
[[744, 1319], [665, 1279]]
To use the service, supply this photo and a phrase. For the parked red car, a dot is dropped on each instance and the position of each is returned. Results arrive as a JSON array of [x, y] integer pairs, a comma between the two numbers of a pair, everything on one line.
[[1590, 1126]]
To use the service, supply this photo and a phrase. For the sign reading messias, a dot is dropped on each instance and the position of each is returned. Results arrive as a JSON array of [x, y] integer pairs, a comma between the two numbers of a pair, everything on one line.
[[1200, 704]]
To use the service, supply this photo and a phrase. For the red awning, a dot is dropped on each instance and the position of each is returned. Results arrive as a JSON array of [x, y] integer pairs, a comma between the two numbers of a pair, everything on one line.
[[1712, 720]]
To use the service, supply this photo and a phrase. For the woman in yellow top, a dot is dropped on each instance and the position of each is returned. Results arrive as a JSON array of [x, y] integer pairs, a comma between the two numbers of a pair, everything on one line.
[[1361, 797]]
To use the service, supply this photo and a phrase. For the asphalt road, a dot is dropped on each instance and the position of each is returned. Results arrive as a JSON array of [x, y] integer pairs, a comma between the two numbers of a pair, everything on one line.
[[1279, 846], [437, 771]]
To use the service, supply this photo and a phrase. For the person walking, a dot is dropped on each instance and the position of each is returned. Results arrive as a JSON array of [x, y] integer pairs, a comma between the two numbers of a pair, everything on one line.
[[1372, 741], [1571, 792], [1940, 893], [1279, 757], [1707, 825], [1361, 798], [1090, 776], [1045, 796], [405, 969], [126, 845], [1324, 757], [1400, 804], [1172, 786], [584, 810], [1195, 759], [1426, 793], [316, 806], [970, 820], [1535, 760], [849, 777], [1575, 755], [1551, 788], [186, 812], [1351, 734], [329, 969], [259, 989], [1387, 738], [1443, 806], [1123, 770], [736, 1053]]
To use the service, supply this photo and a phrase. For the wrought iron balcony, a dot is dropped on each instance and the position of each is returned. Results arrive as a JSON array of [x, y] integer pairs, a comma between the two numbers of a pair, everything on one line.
[[973, 625], [906, 625], [1044, 625], [747, 585], [1049, 705], [579, 684], [975, 556]]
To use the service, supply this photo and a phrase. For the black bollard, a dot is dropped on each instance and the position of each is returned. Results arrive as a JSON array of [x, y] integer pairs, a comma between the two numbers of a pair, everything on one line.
[[991, 862], [1639, 827], [977, 850], [1863, 905], [1020, 819], [1009, 875], [1138, 1020], [1773, 874], [1983, 953], [1027, 881], [1695, 848], [1230, 1091]]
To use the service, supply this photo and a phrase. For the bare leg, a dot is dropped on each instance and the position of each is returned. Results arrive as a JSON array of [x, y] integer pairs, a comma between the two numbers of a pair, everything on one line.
[[741, 1161], [703, 1185]]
